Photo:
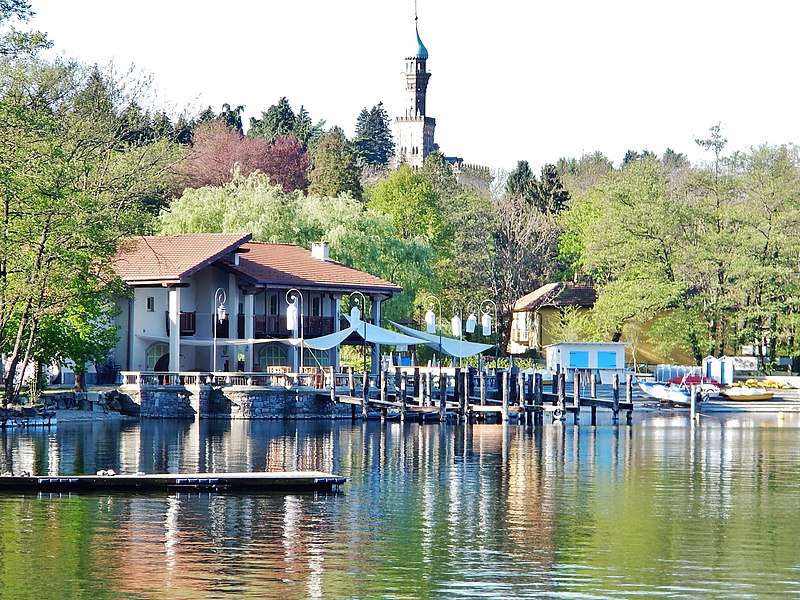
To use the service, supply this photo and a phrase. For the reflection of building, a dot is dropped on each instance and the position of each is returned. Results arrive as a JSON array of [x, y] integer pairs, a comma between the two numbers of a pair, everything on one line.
[[174, 321]]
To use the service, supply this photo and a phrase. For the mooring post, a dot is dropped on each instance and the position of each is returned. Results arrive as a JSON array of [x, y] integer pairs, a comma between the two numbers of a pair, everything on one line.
[[430, 390], [506, 394], [576, 395], [561, 386], [465, 394], [403, 396], [443, 397], [556, 379], [417, 386], [615, 392], [398, 374], [593, 385], [457, 381], [364, 395], [482, 387], [629, 398], [384, 391], [693, 402], [538, 401], [521, 395]]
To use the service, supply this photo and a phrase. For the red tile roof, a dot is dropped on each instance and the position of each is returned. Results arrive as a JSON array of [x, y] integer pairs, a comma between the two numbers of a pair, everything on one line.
[[558, 294], [169, 259], [292, 266]]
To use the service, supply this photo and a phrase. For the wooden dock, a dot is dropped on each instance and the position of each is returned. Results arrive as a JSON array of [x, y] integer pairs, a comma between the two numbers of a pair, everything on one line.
[[299, 481], [471, 395]]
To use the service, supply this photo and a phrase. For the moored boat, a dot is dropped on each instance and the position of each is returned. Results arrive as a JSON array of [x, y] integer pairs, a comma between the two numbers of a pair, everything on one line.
[[748, 393]]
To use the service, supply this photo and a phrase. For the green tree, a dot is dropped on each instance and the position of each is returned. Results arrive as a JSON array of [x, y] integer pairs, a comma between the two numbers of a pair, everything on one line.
[[411, 202], [373, 142], [277, 121], [71, 187], [333, 167]]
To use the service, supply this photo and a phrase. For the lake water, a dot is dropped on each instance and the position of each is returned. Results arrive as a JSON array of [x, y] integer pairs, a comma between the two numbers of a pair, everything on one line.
[[661, 508]]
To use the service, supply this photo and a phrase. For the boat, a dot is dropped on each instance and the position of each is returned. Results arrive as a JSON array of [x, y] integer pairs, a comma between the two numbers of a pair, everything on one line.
[[108, 480], [677, 393], [748, 394]]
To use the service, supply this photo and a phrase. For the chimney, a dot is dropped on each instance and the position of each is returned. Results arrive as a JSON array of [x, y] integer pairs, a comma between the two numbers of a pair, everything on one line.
[[319, 250]]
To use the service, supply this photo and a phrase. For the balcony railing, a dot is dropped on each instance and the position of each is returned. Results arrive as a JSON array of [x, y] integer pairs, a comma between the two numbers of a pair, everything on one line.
[[187, 321], [275, 326]]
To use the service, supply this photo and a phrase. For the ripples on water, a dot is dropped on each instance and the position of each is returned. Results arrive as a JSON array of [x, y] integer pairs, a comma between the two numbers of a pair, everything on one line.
[[660, 508]]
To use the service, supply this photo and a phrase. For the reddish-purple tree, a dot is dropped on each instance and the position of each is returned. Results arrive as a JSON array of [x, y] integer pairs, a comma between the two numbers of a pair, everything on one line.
[[217, 150]]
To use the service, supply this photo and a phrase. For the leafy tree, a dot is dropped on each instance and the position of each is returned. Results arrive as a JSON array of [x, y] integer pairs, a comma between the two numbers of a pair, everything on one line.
[[633, 155], [373, 140], [522, 182], [219, 151], [333, 169], [580, 175], [71, 187], [410, 201], [359, 237]]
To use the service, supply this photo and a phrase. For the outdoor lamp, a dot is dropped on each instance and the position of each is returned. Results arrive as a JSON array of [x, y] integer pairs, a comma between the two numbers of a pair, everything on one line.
[[221, 313], [430, 321], [455, 325], [486, 324], [291, 316], [471, 322], [355, 314]]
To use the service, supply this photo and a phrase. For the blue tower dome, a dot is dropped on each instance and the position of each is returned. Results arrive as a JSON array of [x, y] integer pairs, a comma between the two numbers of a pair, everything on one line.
[[422, 51]]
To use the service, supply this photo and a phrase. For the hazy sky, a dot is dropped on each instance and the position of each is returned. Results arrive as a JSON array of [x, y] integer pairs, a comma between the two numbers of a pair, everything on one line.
[[512, 79]]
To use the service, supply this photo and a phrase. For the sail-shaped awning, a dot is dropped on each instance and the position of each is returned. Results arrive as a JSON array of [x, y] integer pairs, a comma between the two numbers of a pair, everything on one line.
[[453, 347]]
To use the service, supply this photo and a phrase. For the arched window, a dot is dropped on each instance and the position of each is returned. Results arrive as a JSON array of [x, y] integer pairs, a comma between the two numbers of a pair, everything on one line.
[[271, 355], [154, 353]]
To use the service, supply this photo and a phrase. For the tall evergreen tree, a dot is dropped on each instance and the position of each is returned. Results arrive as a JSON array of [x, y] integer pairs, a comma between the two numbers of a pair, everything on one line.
[[277, 121], [334, 170], [373, 143]]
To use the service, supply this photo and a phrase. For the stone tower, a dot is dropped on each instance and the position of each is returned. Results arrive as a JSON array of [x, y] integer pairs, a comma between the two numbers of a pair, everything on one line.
[[414, 130]]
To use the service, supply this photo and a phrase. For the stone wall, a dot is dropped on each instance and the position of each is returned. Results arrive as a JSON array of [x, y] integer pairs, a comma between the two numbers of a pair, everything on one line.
[[234, 402]]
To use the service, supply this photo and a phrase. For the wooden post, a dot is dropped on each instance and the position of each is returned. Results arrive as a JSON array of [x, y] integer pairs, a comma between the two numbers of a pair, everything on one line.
[[465, 394], [442, 397], [364, 395], [384, 391], [403, 396], [538, 402], [593, 385], [576, 395], [505, 394], [556, 379], [629, 397], [561, 386], [418, 386], [457, 381], [693, 402], [430, 389], [615, 391], [482, 387], [398, 374]]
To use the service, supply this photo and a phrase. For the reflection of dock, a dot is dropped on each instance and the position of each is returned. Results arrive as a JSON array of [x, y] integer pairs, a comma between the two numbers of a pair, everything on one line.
[[472, 395], [251, 482]]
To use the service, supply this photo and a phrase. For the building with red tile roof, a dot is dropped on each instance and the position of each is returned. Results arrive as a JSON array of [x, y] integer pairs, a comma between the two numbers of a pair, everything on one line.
[[219, 301]]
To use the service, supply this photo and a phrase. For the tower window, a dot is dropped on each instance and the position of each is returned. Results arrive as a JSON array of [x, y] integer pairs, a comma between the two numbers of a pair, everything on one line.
[[151, 304]]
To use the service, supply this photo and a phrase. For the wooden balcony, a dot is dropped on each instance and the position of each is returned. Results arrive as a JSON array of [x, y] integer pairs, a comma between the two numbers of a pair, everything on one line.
[[187, 321], [275, 326]]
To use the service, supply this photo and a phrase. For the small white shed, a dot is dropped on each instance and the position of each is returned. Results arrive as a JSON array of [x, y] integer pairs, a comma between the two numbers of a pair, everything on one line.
[[604, 358]]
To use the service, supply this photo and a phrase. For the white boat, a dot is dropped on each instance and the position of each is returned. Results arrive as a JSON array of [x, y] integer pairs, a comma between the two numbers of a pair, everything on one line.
[[676, 393]]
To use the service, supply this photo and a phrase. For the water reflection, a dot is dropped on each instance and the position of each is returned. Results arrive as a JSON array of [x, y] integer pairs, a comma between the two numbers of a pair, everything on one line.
[[665, 506]]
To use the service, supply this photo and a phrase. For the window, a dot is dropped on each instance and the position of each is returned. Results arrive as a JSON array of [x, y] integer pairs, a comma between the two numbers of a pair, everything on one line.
[[316, 306], [151, 304], [155, 352], [271, 355], [606, 360], [578, 360], [316, 358], [272, 304]]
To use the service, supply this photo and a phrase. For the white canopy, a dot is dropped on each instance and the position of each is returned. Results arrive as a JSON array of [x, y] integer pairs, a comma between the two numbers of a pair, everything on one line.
[[451, 346]]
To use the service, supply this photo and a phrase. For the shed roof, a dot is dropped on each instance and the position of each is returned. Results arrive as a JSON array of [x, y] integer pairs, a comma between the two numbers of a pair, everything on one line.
[[558, 295]]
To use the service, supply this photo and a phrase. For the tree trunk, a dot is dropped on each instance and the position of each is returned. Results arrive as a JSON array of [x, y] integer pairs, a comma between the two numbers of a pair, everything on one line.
[[80, 381]]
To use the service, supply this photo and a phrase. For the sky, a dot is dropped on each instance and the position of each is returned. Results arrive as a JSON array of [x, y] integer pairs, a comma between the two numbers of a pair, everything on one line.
[[511, 79]]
